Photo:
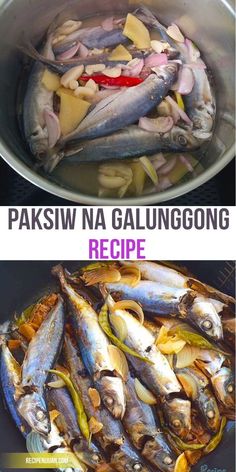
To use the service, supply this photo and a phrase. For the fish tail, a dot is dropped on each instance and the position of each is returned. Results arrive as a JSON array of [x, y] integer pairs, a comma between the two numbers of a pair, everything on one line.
[[58, 272], [28, 49]]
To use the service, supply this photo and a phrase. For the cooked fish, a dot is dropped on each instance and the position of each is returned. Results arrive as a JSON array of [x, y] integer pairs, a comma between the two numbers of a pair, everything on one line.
[[94, 344], [40, 357]]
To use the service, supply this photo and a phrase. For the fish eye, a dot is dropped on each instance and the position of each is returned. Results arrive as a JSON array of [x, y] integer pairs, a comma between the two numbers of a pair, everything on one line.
[[182, 140], [176, 423], [109, 401], [230, 388], [96, 458], [40, 415], [207, 324], [137, 467], [167, 460]]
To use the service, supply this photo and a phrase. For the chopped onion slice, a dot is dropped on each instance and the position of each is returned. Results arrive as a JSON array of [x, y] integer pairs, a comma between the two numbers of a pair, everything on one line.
[[133, 68], [186, 162], [144, 394], [164, 170], [162, 124], [53, 127], [163, 184], [129, 305], [83, 51], [119, 362], [182, 114], [69, 53], [156, 60], [158, 160], [186, 81]]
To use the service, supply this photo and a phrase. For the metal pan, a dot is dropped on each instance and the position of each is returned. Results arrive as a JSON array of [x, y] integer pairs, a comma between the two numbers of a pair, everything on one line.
[[22, 283]]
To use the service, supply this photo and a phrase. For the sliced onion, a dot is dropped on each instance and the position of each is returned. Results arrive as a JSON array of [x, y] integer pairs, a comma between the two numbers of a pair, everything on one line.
[[144, 394], [182, 113], [171, 346], [158, 160], [129, 305], [53, 127], [119, 326], [186, 162], [174, 32], [130, 275], [83, 51], [164, 170], [69, 53], [108, 24], [163, 184], [149, 169], [162, 124], [156, 60], [193, 52], [133, 68], [189, 385], [187, 356], [186, 81], [118, 361]]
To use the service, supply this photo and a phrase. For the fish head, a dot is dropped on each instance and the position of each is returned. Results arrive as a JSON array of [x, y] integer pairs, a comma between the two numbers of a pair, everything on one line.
[[159, 454], [204, 315], [126, 459], [112, 394], [223, 384], [209, 410], [183, 139], [168, 73], [178, 416], [33, 409], [202, 119], [38, 141], [91, 457]]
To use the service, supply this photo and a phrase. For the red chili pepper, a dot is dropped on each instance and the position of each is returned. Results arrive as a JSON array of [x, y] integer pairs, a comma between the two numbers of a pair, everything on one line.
[[121, 81]]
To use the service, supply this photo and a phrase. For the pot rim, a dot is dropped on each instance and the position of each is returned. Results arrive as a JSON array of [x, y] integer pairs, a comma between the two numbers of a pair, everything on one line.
[[77, 197]]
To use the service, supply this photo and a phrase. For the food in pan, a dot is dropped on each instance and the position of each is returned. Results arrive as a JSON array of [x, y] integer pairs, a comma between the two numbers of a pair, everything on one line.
[[126, 368], [128, 98]]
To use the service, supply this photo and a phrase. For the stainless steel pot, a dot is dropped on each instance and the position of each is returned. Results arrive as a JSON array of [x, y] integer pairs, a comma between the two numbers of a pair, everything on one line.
[[210, 23]]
